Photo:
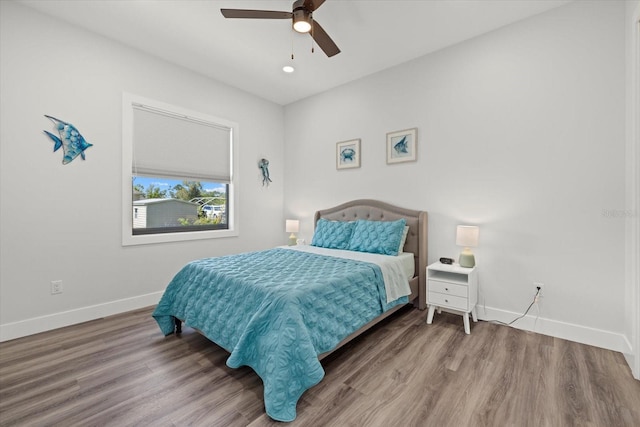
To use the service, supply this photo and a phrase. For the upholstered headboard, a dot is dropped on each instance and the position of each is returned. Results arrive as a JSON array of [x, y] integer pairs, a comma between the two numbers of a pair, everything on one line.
[[375, 210]]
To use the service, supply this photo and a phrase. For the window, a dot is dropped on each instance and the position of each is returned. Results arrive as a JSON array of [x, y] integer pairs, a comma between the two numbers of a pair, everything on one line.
[[178, 181]]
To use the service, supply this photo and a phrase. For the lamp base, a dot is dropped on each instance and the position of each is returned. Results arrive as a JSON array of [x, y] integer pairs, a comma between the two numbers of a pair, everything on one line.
[[292, 240], [467, 260]]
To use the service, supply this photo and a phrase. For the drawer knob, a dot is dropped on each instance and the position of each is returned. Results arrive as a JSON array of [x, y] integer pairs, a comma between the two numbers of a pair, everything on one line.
[[446, 300], [446, 289]]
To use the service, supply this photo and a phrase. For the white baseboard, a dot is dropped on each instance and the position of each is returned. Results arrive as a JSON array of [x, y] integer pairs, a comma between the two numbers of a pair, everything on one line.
[[630, 358], [23, 328], [572, 332], [568, 331]]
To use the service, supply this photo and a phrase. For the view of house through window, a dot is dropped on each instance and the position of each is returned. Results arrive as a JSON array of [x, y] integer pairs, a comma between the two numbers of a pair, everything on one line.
[[163, 205], [178, 169]]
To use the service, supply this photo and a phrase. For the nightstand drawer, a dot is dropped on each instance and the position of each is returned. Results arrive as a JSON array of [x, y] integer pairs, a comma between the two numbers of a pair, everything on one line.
[[448, 288], [450, 301]]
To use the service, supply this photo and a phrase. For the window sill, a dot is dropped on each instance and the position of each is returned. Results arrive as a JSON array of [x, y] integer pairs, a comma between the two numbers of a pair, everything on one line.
[[129, 239]]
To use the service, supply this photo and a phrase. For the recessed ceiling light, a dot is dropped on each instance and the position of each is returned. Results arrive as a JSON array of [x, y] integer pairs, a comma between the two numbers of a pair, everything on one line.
[[288, 69]]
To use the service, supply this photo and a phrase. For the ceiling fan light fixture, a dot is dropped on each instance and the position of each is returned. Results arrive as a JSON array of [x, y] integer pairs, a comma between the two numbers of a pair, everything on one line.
[[288, 69], [301, 21], [301, 18]]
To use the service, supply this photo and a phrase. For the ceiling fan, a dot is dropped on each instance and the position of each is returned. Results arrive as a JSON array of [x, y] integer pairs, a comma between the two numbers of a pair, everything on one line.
[[302, 19]]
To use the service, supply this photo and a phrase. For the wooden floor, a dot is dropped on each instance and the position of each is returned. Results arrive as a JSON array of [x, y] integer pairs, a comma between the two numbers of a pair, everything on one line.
[[121, 371]]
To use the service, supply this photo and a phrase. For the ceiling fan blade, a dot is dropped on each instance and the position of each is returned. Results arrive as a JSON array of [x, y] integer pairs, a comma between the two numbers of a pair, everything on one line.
[[324, 41], [255, 14], [312, 5]]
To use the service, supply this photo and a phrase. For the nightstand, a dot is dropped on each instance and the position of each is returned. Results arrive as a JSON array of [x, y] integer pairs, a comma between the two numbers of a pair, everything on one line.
[[452, 287]]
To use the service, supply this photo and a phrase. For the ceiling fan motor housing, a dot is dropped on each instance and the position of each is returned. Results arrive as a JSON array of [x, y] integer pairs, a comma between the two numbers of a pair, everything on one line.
[[301, 18]]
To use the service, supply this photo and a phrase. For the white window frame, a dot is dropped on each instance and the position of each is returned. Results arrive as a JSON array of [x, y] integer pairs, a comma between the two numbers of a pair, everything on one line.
[[128, 238]]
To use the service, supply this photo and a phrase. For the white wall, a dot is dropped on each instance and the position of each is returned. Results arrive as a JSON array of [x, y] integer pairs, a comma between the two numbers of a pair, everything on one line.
[[522, 132], [632, 297], [64, 222]]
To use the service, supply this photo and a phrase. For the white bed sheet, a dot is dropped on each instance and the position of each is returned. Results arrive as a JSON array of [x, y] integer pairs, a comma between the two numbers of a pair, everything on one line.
[[396, 270]]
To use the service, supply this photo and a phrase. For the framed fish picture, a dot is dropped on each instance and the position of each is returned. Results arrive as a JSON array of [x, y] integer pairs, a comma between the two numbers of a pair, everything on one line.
[[402, 146], [348, 154]]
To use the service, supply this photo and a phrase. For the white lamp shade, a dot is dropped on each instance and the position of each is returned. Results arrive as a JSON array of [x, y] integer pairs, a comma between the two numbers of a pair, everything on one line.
[[292, 226], [467, 236]]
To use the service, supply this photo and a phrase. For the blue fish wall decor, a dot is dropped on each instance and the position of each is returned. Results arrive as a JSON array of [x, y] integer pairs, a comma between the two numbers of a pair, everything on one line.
[[73, 144], [401, 146]]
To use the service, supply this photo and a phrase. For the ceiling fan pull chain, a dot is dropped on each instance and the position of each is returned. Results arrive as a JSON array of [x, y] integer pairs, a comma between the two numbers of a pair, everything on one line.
[[291, 44], [312, 36]]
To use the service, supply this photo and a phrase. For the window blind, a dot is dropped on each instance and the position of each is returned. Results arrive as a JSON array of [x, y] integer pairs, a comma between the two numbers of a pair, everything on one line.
[[177, 146]]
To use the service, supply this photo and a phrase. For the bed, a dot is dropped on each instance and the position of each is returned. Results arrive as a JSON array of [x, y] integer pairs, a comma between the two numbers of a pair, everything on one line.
[[283, 310]]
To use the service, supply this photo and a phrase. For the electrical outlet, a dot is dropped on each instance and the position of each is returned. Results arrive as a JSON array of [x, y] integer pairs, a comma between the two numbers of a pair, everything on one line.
[[537, 285], [56, 287]]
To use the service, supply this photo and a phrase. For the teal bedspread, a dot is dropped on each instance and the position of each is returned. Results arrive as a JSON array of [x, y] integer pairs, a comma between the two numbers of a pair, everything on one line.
[[275, 311]]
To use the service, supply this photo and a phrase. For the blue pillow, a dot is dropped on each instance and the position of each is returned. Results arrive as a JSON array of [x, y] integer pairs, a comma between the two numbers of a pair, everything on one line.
[[378, 237], [332, 234]]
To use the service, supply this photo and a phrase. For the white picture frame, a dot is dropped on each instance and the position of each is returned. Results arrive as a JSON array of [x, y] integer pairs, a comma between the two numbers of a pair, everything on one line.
[[348, 154], [402, 146]]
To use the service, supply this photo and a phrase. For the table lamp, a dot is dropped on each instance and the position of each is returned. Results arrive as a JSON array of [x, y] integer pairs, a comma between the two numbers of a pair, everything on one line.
[[292, 226], [467, 237]]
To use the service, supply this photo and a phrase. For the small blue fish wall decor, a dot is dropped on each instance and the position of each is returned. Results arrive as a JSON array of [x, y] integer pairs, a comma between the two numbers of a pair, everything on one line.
[[72, 143], [401, 146]]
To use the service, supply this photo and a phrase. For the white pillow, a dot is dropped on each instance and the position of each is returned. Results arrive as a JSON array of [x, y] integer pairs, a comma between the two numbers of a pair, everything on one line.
[[403, 239]]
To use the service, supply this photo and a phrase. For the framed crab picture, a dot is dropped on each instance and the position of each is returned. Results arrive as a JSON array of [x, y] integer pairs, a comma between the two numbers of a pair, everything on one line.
[[348, 154], [402, 146]]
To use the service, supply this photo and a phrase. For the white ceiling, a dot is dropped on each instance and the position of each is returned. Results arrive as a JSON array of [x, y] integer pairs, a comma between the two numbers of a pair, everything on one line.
[[249, 54]]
